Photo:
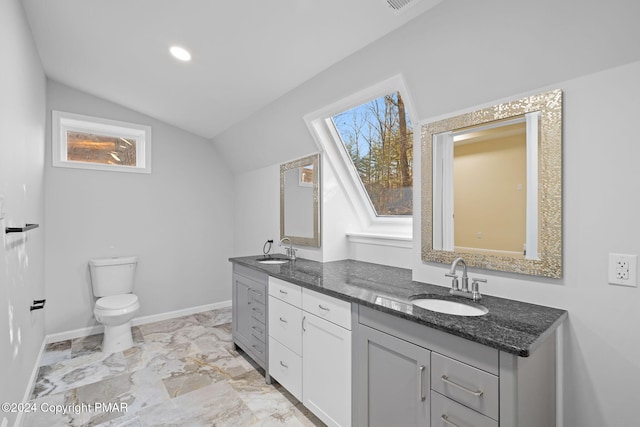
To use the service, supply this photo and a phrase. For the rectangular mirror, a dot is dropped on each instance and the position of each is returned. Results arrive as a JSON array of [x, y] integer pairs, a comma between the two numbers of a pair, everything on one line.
[[492, 187], [300, 201]]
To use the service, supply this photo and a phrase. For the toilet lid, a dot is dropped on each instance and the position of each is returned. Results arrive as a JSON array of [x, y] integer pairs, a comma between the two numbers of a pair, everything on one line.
[[117, 301]]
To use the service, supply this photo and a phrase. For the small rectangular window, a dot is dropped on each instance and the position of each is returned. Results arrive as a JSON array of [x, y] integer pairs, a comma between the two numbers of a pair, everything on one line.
[[93, 143]]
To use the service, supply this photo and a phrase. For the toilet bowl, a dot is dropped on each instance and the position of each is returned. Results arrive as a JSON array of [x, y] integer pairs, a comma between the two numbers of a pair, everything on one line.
[[112, 281], [115, 313]]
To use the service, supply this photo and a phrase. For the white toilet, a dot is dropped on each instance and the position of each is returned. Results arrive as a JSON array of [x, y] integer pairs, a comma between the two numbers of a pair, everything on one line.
[[112, 281]]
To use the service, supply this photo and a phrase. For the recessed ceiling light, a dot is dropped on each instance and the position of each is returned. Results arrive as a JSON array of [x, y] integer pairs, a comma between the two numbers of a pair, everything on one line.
[[180, 53]]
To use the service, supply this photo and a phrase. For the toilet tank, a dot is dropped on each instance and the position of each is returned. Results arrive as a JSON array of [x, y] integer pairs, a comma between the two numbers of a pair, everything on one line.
[[112, 276]]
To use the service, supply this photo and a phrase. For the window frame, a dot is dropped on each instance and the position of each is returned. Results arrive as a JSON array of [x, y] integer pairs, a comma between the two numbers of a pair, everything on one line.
[[321, 126], [63, 121]]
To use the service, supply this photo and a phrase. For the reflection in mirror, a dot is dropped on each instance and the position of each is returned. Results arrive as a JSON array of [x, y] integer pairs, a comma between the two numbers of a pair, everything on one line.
[[300, 201], [492, 189]]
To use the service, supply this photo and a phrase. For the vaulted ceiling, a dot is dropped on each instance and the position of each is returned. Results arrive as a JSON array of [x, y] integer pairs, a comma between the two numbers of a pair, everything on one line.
[[245, 54]]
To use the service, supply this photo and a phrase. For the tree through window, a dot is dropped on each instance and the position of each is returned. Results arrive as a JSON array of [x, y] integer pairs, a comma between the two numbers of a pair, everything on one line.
[[378, 136]]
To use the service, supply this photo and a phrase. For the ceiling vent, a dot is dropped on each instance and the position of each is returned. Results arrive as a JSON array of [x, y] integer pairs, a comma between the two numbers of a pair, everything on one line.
[[399, 6]]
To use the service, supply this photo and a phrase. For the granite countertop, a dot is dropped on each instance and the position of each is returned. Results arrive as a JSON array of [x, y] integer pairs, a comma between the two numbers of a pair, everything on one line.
[[512, 326]]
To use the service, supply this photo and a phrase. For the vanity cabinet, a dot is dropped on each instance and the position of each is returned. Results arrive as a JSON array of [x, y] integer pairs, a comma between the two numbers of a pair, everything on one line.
[[249, 307], [310, 349], [410, 375]]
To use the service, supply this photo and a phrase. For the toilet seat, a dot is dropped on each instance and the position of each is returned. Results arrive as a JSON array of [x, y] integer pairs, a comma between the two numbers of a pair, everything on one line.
[[117, 302]]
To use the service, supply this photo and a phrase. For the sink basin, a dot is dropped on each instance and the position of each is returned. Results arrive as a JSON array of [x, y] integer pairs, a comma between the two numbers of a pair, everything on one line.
[[273, 261], [450, 307]]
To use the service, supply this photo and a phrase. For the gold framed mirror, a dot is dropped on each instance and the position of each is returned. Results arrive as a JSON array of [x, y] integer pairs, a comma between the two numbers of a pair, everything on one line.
[[300, 201], [492, 187]]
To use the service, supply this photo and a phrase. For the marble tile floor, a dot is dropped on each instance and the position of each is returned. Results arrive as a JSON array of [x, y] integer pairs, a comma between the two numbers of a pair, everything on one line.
[[180, 372]]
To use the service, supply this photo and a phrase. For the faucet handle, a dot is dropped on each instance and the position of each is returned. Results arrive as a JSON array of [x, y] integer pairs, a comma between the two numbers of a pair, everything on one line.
[[454, 281], [475, 288]]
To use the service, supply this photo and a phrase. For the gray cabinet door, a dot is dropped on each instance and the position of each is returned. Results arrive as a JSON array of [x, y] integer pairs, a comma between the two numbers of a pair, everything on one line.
[[393, 381], [241, 309]]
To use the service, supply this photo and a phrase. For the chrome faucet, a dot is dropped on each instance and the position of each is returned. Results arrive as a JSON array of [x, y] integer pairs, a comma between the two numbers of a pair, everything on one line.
[[289, 250], [463, 291], [454, 276]]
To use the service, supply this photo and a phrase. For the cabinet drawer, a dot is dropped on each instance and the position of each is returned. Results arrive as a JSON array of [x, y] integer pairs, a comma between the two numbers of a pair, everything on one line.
[[465, 384], [258, 312], [258, 347], [285, 291], [285, 324], [257, 294], [286, 367], [332, 309], [447, 413], [258, 329]]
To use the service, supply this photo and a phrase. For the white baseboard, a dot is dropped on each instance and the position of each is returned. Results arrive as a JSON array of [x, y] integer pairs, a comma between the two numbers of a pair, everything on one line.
[[75, 333], [96, 329], [30, 384], [179, 313]]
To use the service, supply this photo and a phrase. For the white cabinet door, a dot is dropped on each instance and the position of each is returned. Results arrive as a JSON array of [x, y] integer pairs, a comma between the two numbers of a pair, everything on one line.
[[326, 370]]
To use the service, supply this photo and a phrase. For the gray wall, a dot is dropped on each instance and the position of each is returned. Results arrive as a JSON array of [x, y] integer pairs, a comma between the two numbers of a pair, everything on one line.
[[178, 220], [467, 53], [22, 123]]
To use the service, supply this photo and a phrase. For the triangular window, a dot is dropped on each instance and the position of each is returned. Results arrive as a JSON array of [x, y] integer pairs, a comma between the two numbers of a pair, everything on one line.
[[378, 138]]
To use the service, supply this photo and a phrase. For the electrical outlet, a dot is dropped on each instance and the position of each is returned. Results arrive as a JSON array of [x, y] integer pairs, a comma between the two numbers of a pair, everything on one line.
[[623, 269]]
